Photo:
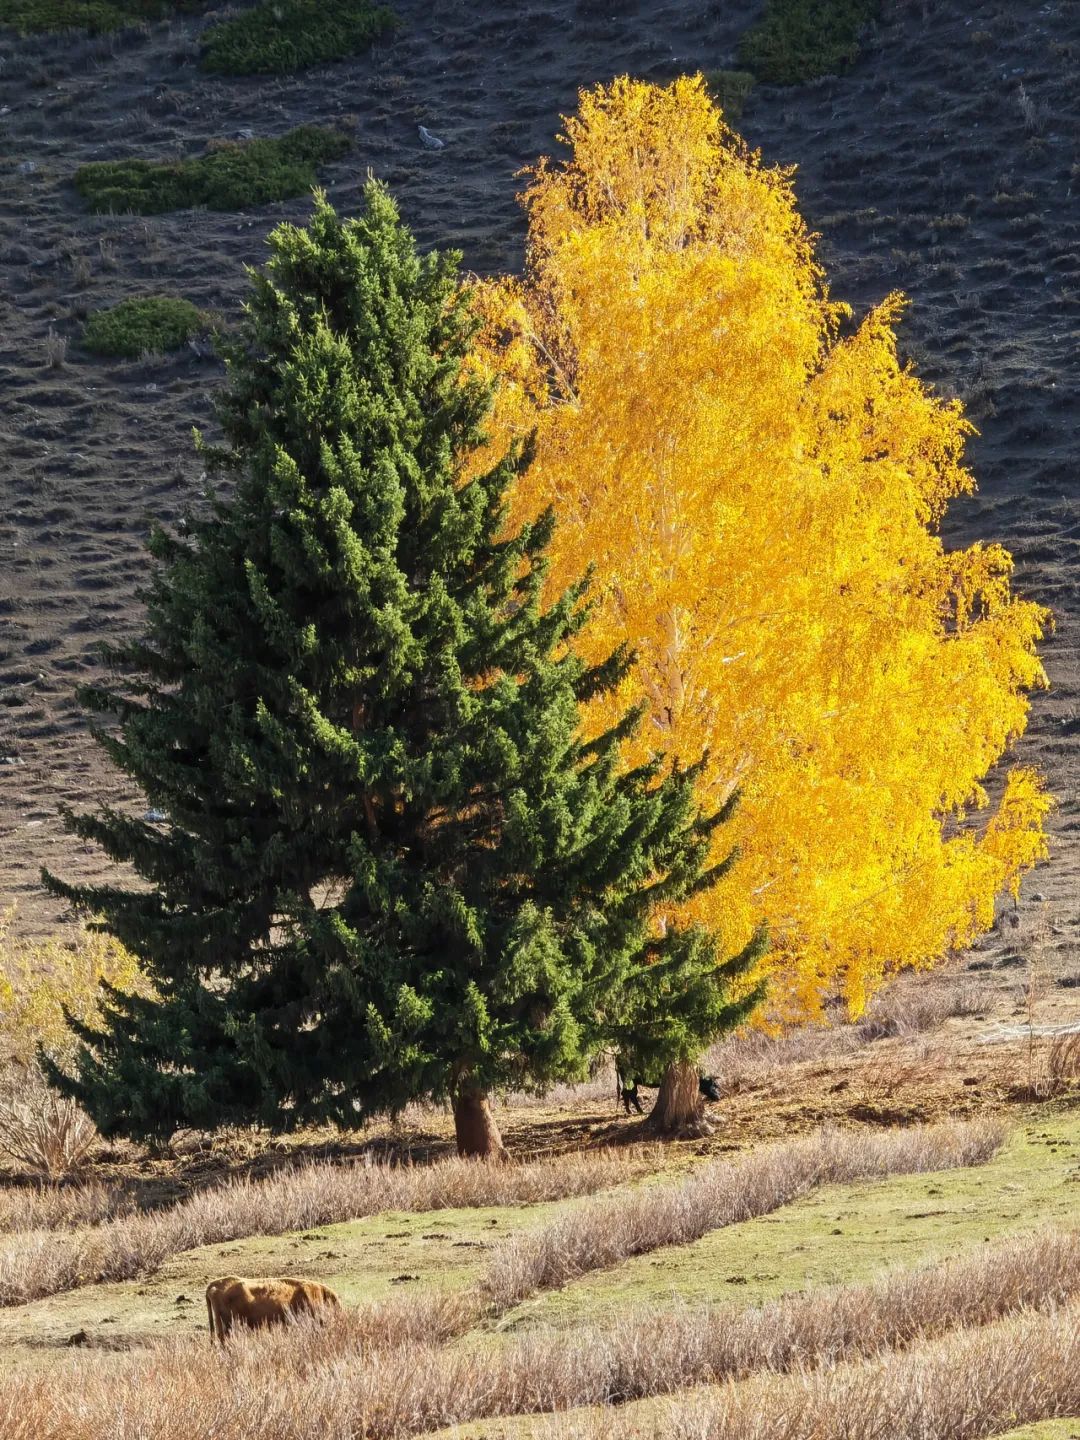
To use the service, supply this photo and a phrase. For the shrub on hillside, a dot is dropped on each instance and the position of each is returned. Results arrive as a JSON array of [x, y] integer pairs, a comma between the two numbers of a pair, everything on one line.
[[38, 17], [230, 176], [40, 980], [149, 323], [279, 36], [731, 90], [799, 40]]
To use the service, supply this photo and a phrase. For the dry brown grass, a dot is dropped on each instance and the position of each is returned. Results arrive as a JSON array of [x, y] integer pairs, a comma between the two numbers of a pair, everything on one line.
[[36, 1264], [968, 1386], [911, 1005], [654, 1352], [45, 1134], [61, 1207], [352, 1378], [1062, 1063], [722, 1193]]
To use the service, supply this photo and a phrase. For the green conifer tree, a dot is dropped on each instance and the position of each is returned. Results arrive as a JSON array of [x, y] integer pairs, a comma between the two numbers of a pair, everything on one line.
[[391, 865]]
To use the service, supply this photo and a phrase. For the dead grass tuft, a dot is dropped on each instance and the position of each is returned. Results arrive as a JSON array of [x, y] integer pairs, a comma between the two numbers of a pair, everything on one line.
[[45, 1134], [967, 1386], [60, 1207]]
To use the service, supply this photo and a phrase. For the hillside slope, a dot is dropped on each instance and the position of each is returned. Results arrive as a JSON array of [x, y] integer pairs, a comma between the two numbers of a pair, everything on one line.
[[945, 164]]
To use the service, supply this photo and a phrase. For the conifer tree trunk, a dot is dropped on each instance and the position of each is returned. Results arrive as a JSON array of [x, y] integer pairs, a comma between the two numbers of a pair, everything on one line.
[[679, 1108], [477, 1133]]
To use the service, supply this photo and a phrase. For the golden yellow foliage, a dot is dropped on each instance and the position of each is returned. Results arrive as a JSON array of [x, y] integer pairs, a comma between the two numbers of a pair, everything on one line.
[[758, 483], [39, 979]]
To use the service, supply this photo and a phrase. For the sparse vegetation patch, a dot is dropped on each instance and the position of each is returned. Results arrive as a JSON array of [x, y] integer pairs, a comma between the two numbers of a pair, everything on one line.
[[800, 40], [228, 176], [279, 36], [39, 17], [150, 323], [731, 90]]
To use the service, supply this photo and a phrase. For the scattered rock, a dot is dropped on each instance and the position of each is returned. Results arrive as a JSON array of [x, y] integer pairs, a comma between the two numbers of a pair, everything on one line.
[[29, 167], [155, 817]]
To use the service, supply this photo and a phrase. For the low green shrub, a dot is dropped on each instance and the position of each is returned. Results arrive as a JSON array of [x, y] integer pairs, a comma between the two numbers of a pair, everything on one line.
[[39, 17], [279, 36], [229, 176], [730, 89], [800, 40], [152, 323]]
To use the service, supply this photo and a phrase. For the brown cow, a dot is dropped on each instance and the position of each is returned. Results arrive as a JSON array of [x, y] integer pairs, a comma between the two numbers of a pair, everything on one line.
[[257, 1303]]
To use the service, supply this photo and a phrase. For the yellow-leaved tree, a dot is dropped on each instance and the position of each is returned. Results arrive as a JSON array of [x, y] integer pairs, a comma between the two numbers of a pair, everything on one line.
[[758, 483], [40, 980]]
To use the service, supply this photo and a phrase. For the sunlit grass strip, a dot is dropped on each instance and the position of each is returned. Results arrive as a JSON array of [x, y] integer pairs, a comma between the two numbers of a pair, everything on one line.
[[55, 1207], [725, 1192], [40, 1263], [277, 37], [968, 1386]]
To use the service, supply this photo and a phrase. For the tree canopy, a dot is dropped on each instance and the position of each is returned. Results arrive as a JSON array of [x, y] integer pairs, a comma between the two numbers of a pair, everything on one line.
[[387, 862], [759, 482]]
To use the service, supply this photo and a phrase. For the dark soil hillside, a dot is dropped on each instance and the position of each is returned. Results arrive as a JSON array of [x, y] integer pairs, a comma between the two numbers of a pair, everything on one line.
[[945, 164]]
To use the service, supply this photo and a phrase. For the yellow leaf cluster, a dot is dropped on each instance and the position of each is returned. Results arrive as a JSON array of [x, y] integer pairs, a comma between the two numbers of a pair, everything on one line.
[[40, 979], [758, 483]]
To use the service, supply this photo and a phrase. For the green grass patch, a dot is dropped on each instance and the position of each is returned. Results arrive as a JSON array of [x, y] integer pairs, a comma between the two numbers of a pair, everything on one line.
[[153, 323], [1047, 1430], [800, 40], [731, 90], [844, 1234], [40, 17], [227, 177], [277, 37]]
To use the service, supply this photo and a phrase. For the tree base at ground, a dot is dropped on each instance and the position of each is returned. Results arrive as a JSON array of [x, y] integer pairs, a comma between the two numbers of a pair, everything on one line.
[[679, 1112], [475, 1128]]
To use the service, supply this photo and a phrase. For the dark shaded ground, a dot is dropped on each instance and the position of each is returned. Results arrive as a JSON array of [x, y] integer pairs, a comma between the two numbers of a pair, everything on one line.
[[946, 165]]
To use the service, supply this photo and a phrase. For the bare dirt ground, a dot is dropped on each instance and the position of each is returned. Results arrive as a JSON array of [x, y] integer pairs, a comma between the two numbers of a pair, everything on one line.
[[946, 164]]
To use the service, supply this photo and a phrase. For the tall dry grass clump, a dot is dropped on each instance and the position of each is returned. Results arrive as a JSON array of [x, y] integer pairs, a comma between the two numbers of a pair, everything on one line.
[[723, 1193], [61, 1207], [42, 1263], [970, 1385], [44, 1133]]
